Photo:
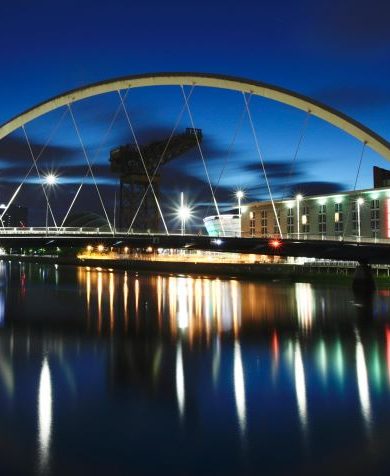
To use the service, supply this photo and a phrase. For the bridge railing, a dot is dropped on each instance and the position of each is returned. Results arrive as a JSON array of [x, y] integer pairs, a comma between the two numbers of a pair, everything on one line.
[[93, 231], [320, 237]]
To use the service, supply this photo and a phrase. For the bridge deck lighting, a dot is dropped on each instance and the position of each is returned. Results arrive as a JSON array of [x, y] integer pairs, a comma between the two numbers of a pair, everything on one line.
[[89, 248], [299, 197], [240, 194], [360, 201], [100, 248]]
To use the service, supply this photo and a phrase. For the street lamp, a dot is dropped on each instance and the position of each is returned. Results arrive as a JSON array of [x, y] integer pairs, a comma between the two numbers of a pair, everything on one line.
[[184, 214], [239, 195], [298, 199], [359, 202], [50, 180]]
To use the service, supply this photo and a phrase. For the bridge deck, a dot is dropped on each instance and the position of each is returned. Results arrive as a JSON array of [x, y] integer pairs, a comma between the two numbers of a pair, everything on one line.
[[349, 249]]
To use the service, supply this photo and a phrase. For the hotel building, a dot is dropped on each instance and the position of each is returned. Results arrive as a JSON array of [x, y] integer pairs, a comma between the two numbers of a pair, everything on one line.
[[361, 213]]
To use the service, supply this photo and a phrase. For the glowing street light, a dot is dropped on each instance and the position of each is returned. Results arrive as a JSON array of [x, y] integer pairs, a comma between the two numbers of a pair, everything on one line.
[[359, 202], [298, 199], [50, 181], [239, 195], [184, 213]]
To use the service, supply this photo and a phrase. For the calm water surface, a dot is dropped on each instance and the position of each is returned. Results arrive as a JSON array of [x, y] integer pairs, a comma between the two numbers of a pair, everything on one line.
[[113, 373]]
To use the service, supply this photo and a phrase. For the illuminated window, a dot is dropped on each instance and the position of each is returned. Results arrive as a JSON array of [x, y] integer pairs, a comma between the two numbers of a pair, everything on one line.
[[322, 219], [264, 222], [354, 207], [305, 219], [252, 223], [338, 218], [290, 220], [375, 218]]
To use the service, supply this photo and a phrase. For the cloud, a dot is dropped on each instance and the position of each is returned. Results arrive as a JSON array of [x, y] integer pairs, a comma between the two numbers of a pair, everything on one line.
[[15, 152], [279, 169], [316, 188]]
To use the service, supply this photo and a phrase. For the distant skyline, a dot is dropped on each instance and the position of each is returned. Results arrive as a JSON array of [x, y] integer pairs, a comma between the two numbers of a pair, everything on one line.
[[319, 49]]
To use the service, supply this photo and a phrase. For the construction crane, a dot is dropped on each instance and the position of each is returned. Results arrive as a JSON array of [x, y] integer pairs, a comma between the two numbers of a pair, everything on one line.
[[134, 183]]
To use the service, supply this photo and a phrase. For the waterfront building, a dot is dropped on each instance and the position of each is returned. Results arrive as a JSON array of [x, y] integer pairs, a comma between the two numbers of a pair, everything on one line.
[[360, 213]]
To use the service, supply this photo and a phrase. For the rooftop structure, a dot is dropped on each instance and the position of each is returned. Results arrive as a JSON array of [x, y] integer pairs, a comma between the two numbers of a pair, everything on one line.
[[230, 226]]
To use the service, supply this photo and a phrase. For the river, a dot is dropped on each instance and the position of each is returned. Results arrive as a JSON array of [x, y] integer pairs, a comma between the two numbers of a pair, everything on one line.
[[113, 373]]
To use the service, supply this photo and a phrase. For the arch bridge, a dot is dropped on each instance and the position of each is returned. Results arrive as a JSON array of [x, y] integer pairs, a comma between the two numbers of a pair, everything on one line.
[[369, 252]]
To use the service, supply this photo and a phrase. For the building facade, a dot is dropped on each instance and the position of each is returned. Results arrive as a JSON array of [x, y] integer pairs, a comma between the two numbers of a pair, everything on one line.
[[361, 213]]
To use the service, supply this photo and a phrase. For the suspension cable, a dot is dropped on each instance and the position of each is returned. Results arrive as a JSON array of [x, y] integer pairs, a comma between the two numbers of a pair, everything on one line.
[[89, 166], [300, 141], [203, 158], [230, 148], [262, 161], [39, 176], [142, 160], [355, 185], [160, 160], [18, 188], [96, 155]]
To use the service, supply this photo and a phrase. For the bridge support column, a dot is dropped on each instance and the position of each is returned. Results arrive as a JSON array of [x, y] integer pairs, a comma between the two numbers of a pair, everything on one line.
[[363, 281]]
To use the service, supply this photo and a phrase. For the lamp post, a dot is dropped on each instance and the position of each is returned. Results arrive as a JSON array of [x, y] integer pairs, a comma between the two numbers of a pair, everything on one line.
[[239, 195], [359, 202], [298, 200], [184, 213], [50, 180]]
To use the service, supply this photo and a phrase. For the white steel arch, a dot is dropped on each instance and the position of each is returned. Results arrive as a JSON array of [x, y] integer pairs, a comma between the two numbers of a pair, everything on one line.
[[328, 114]]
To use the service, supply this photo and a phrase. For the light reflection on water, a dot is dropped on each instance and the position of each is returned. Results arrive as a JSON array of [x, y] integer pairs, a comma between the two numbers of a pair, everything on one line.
[[300, 386], [44, 415], [212, 360]]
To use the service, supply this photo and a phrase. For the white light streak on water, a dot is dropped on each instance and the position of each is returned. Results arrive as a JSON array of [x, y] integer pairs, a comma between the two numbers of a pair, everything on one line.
[[180, 388], [305, 304], [362, 381], [300, 386], [45, 403], [239, 388]]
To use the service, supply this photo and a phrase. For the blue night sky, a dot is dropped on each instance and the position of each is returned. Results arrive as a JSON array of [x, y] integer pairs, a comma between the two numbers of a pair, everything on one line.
[[335, 52]]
